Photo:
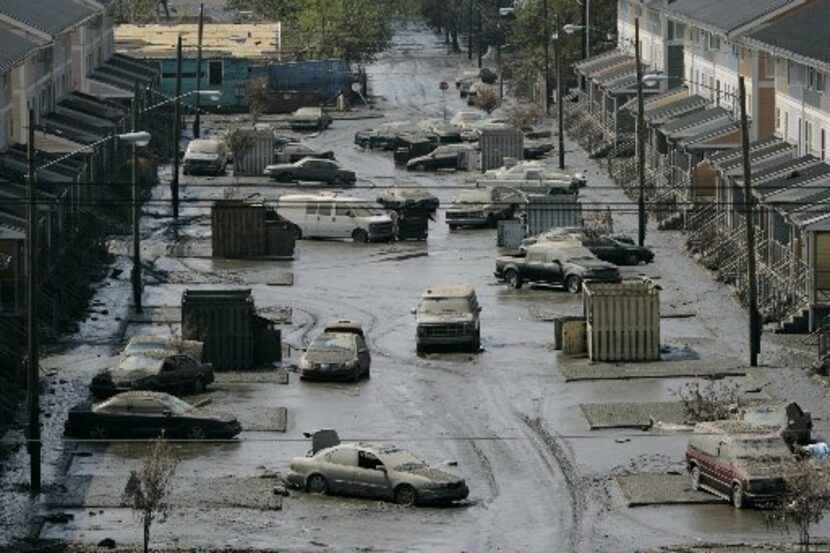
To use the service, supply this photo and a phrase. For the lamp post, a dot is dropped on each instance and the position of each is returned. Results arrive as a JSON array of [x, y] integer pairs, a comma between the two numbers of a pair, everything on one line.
[[641, 150], [560, 106], [197, 126]]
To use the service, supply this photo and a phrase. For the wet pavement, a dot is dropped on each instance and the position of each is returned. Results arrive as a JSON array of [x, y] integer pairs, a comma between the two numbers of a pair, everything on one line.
[[540, 479]]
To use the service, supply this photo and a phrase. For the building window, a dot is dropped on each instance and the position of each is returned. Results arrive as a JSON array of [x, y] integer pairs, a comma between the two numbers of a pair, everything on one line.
[[823, 144], [778, 119], [215, 72], [786, 126], [808, 138]]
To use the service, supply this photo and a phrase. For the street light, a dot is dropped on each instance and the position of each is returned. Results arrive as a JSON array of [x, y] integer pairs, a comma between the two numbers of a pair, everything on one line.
[[560, 105]]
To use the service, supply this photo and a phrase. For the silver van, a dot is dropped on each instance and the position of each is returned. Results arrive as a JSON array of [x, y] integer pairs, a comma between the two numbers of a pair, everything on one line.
[[332, 216]]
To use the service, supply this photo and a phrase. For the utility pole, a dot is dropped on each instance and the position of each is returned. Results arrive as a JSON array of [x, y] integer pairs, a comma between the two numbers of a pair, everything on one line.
[[478, 33], [32, 357], [547, 59], [754, 319], [470, 30], [136, 213], [197, 127], [560, 102], [177, 130], [641, 143], [498, 57]]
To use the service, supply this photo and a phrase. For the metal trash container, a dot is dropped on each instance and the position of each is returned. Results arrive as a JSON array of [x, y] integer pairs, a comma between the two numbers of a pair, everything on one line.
[[412, 224]]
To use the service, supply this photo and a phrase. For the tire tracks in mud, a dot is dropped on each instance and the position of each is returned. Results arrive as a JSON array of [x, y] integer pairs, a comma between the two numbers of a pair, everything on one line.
[[574, 481]]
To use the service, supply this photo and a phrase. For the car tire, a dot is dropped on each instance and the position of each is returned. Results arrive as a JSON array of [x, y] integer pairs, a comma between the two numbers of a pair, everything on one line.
[[631, 258], [573, 284], [694, 474], [98, 432], [512, 279], [738, 499], [195, 432], [360, 236], [406, 495], [317, 484], [337, 182], [199, 385]]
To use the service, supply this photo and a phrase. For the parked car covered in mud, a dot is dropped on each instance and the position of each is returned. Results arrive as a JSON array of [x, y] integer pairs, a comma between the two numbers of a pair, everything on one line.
[[377, 471], [147, 415], [338, 353], [448, 156], [156, 371], [310, 118], [613, 248], [294, 151], [743, 467], [311, 169], [566, 264], [483, 207], [405, 198], [533, 171], [448, 317], [444, 132], [788, 419], [145, 343], [205, 157], [385, 136]]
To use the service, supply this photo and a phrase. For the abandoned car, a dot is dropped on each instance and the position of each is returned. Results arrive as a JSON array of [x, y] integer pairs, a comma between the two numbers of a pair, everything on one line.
[[376, 471], [153, 370], [566, 264], [205, 157], [447, 317], [448, 156], [742, 467], [483, 207], [338, 353], [147, 415], [311, 169], [294, 151], [406, 198], [331, 216], [310, 118], [145, 343]]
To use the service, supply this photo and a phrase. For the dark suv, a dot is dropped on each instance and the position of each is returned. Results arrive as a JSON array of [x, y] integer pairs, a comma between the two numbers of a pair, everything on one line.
[[743, 467]]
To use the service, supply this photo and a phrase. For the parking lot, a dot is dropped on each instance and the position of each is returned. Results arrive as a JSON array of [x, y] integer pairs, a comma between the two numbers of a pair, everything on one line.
[[505, 419]]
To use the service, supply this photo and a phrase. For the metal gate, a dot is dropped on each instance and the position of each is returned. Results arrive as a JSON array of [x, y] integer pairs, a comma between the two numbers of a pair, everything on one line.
[[548, 212], [510, 235]]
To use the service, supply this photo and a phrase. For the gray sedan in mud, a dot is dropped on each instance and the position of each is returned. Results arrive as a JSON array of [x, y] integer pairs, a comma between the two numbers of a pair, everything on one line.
[[338, 353], [383, 472]]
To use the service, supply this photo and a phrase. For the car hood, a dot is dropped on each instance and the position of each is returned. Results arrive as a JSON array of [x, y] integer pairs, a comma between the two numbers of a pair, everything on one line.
[[198, 156], [312, 356], [440, 318], [434, 475], [280, 167], [217, 416], [378, 219]]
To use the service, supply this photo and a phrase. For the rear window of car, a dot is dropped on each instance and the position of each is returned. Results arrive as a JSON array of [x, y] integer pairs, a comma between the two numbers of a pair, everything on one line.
[[333, 342]]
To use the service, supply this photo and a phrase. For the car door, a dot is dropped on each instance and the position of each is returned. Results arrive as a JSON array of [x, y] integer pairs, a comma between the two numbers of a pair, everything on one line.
[[327, 220], [188, 371], [534, 265], [721, 468], [600, 247], [149, 418], [340, 470], [371, 476], [363, 355], [552, 271], [169, 376], [310, 224]]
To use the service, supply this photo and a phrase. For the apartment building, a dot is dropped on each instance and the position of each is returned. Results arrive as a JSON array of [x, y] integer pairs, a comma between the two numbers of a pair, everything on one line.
[[14, 51]]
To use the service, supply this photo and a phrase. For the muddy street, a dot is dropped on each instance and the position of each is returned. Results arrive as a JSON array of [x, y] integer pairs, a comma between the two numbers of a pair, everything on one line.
[[504, 419]]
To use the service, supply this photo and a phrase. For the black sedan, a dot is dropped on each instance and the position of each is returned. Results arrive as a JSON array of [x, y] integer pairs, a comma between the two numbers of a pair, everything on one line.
[[147, 415], [618, 250]]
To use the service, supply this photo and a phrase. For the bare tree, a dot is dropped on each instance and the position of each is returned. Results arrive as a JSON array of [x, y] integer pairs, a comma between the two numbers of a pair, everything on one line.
[[524, 116], [710, 400], [147, 489], [487, 99], [240, 141], [258, 91], [806, 500]]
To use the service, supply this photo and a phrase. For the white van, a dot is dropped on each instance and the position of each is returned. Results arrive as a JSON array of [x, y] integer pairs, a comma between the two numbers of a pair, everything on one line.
[[331, 216]]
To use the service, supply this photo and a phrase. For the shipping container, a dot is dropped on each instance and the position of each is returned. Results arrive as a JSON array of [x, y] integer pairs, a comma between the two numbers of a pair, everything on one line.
[[510, 234], [289, 101], [326, 77], [497, 142], [623, 320], [224, 321], [242, 230], [261, 154], [238, 229], [552, 211]]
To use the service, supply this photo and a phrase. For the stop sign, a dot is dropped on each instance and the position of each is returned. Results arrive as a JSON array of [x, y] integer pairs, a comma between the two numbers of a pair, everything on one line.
[[443, 85]]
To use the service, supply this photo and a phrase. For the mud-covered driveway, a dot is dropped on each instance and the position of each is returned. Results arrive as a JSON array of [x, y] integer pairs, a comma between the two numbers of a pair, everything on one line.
[[503, 419]]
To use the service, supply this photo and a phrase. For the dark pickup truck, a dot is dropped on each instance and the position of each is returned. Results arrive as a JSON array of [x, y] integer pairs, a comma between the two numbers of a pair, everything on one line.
[[566, 265]]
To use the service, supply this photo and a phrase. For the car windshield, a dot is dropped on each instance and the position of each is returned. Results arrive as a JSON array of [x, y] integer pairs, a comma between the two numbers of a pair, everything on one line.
[[760, 448], [204, 147], [400, 459], [332, 342], [438, 306], [150, 364]]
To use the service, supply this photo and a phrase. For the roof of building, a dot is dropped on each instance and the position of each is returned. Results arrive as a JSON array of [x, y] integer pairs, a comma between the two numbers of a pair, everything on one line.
[[661, 99], [800, 33], [791, 167], [694, 119], [766, 156], [811, 214], [598, 61], [231, 40], [13, 48], [51, 18], [726, 17], [793, 178], [731, 154], [796, 197], [712, 138], [663, 113]]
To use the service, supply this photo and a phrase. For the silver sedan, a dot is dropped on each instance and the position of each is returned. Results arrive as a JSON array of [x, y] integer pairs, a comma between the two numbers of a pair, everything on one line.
[[382, 472]]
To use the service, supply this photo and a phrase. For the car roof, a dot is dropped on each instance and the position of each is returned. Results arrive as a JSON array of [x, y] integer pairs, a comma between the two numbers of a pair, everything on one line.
[[321, 198], [736, 431], [449, 291], [140, 394]]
